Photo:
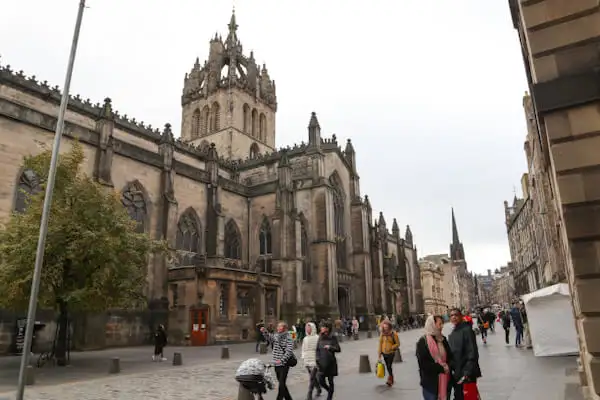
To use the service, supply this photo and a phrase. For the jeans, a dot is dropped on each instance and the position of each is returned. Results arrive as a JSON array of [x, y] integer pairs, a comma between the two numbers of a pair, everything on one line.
[[313, 381], [483, 333], [282, 373], [507, 335], [158, 350], [427, 395], [458, 392], [519, 336], [327, 384], [388, 359]]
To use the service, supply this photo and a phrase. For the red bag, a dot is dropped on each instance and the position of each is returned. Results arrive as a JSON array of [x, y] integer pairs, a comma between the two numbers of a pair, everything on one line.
[[470, 391]]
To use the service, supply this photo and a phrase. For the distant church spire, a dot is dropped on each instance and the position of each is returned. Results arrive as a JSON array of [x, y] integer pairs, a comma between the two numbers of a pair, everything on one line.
[[457, 251]]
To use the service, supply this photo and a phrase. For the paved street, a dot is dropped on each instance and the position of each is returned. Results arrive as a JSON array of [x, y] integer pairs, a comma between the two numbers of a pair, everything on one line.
[[509, 374]]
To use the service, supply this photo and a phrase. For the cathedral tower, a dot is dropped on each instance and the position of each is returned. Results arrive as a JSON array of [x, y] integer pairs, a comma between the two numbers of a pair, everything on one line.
[[457, 252], [229, 100]]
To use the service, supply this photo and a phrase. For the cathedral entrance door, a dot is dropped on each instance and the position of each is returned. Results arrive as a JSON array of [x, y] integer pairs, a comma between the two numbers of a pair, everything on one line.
[[344, 302], [199, 327]]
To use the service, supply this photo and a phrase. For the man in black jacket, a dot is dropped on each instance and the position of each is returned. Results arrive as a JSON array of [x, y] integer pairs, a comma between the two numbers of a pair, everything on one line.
[[465, 355]]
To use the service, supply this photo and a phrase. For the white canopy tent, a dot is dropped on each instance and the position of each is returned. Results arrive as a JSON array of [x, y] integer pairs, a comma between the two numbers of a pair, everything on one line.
[[550, 319]]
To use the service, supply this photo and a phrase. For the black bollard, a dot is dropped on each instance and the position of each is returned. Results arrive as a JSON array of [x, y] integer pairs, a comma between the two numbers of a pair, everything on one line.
[[398, 356], [244, 394], [224, 353], [29, 375], [177, 359], [356, 336], [364, 365], [262, 348], [114, 366], [369, 334]]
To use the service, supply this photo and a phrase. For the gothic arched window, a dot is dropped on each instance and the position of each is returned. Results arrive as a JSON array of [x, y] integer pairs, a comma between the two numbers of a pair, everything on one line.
[[196, 121], [262, 127], [265, 247], [204, 118], [306, 266], [338, 222], [254, 151], [216, 117], [254, 123], [233, 241], [29, 184], [189, 234], [134, 202], [246, 116]]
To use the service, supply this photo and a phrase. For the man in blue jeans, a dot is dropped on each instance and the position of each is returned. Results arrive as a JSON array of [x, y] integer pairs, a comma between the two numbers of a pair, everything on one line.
[[515, 315]]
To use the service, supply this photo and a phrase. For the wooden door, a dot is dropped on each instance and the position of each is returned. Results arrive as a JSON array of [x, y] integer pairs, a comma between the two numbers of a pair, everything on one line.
[[199, 327]]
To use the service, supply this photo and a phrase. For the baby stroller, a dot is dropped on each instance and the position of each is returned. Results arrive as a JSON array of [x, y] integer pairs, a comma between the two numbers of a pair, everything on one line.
[[255, 376]]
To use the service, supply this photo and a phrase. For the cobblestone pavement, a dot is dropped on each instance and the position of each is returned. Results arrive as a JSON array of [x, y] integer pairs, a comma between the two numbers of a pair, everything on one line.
[[509, 374]]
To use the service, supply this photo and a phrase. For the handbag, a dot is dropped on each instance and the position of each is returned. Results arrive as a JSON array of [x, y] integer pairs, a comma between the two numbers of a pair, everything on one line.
[[471, 391], [380, 370], [292, 361]]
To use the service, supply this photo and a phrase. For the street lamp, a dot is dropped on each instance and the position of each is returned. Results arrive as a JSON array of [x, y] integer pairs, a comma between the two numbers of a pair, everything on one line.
[[39, 256]]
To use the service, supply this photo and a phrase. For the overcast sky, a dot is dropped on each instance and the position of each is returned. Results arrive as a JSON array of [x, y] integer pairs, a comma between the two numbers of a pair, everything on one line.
[[429, 91]]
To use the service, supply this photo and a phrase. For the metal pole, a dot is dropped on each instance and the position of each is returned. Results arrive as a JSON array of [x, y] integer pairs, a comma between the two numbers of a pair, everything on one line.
[[39, 257]]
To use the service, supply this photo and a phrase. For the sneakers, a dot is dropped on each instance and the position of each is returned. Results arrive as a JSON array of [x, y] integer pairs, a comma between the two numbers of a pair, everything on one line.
[[163, 359]]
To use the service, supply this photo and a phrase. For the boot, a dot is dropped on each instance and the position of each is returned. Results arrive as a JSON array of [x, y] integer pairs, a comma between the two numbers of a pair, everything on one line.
[[390, 381]]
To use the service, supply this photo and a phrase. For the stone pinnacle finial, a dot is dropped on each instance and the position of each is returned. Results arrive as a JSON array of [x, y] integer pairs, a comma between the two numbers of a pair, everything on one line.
[[167, 134], [107, 108], [349, 148], [314, 122]]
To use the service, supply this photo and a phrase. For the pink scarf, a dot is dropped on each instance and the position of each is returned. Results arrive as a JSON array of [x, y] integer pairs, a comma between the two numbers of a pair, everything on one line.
[[438, 352]]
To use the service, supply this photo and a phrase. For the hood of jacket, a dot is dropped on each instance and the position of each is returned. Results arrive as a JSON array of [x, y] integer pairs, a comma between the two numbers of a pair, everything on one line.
[[313, 329]]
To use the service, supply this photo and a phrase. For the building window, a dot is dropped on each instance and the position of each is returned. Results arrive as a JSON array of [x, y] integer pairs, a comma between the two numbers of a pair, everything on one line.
[[188, 232], [233, 241], [174, 295], [254, 151], [204, 119], [265, 250], [246, 116], [223, 303], [196, 123], [254, 123], [306, 265], [244, 303], [215, 117], [338, 220], [133, 200], [271, 303], [262, 127], [29, 184]]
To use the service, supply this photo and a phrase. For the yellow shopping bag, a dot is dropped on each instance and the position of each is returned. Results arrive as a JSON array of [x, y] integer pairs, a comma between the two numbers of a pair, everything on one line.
[[380, 370]]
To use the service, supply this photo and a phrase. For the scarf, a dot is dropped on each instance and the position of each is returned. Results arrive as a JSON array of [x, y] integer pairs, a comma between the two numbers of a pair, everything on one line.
[[435, 343]]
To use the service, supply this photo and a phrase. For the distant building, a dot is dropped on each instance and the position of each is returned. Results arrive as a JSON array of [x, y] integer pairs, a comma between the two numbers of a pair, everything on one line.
[[432, 282], [503, 285]]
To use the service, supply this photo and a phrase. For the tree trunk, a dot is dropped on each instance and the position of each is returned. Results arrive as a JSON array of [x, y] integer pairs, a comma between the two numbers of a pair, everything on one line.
[[62, 339]]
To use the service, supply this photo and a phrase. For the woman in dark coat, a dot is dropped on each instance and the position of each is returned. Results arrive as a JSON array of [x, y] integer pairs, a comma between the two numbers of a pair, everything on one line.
[[433, 355], [327, 346]]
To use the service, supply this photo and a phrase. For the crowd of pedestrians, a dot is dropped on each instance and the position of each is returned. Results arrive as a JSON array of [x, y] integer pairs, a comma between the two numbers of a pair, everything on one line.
[[448, 366]]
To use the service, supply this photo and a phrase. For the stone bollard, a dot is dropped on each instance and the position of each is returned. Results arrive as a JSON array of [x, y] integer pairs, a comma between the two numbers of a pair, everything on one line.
[[114, 366], [398, 356], [356, 336], [244, 394], [29, 375], [224, 353], [262, 348], [364, 365], [369, 334], [177, 359]]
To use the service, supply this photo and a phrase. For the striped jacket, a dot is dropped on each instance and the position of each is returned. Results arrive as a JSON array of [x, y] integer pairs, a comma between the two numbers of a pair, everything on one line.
[[283, 348]]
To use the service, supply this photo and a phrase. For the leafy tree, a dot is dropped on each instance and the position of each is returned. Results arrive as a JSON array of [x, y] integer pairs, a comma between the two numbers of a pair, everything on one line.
[[94, 260]]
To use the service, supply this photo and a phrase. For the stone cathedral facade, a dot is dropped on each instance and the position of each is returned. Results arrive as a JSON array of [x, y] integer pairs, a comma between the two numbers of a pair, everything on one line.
[[257, 233]]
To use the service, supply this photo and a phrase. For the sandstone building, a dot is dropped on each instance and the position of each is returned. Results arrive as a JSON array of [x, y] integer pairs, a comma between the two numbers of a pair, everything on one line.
[[257, 233], [520, 221], [559, 44], [432, 281], [503, 285]]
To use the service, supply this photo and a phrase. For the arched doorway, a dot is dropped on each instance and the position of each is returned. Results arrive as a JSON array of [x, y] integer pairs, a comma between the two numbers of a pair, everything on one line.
[[344, 302]]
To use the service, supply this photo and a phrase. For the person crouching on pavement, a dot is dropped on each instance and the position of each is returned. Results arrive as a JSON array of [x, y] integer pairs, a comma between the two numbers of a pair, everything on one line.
[[433, 356], [309, 356], [388, 344], [160, 341], [327, 346], [464, 360]]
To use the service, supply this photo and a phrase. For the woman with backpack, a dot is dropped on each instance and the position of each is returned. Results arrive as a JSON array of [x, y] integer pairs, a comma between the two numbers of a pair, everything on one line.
[[388, 344]]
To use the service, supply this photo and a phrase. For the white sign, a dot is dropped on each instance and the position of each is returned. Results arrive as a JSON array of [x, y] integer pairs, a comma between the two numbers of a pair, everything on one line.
[[195, 327], [203, 326]]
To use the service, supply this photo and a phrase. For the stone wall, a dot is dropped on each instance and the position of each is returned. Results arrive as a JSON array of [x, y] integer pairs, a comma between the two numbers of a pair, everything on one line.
[[89, 332]]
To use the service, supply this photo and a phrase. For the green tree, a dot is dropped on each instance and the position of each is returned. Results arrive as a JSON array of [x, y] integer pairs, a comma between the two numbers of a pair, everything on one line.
[[94, 260]]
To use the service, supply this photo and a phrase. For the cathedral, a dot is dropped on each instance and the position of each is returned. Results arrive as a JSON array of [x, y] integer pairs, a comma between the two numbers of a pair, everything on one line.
[[257, 232]]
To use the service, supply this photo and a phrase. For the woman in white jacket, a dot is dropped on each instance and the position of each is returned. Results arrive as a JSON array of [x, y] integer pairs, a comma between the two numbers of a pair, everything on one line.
[[309, 356]]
